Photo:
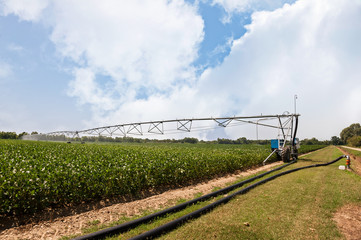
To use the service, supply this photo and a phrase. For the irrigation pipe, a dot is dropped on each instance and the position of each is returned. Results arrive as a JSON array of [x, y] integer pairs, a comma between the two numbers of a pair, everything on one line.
[[175, 223], [132, 224]]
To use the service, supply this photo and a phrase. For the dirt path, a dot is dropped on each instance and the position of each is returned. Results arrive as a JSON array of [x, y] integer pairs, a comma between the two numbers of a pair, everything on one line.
[[357, 149], [348, 220], [70, 225]]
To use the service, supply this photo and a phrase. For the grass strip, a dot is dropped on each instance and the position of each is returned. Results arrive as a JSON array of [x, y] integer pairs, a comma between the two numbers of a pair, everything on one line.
[[295, 206]]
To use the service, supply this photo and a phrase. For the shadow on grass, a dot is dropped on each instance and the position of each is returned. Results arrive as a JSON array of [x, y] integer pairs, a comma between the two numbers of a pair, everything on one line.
[[308, 160]]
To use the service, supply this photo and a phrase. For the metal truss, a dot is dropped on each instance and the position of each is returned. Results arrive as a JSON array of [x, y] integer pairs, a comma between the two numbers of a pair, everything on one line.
[[284, 125], [184, 125]]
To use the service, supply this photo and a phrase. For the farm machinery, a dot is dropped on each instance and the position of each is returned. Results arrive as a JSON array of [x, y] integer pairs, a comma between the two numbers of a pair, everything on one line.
[[285, 152], [285, 146]]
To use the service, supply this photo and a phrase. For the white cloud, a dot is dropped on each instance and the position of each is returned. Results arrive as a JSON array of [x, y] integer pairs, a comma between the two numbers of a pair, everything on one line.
[[237, 6], [15, 48], [5, 70], [182, 102], [122, 49], [309, 48], [89, 92], [25, 10], [141, 43], [232, 6]]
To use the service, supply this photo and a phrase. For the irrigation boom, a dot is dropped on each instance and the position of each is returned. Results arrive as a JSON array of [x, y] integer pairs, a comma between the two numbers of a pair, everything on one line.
[[285, 145], [185, 125]]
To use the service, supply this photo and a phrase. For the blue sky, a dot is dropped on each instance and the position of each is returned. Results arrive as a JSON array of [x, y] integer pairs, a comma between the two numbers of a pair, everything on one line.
[[68, 65]]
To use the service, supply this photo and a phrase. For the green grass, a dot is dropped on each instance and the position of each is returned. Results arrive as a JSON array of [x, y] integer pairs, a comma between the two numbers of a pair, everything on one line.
[[299, 205], [295, 206], [353, 152]]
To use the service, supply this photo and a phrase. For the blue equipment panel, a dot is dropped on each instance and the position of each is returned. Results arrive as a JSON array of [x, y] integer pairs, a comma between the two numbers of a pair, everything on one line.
[[274, 143]]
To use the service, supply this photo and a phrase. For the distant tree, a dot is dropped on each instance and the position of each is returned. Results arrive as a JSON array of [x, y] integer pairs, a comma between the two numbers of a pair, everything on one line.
[[353, 130], [336, 140], [34, 133], [224, 141], [312, 141], [354, 141], [190, 140], [242, 140], [22, 134], [8, 135]]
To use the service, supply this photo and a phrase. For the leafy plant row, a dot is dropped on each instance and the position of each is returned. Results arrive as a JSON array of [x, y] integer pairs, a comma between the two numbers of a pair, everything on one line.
[[309, 148], [36, 175]]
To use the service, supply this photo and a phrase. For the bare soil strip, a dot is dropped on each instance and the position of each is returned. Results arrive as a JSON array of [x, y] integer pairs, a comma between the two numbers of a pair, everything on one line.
[[69, 225], [348, 219], [357, 149]]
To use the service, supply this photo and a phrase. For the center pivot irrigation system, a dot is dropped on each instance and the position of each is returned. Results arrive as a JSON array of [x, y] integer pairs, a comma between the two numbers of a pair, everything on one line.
[[285, 145]]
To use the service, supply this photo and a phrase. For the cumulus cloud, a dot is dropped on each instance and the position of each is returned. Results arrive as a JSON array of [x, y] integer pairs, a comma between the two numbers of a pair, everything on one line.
[[124, 52], [141, 44], [235, 6], [232, 6], [86, 88], [28, 11], [309, 48], [134, 61]]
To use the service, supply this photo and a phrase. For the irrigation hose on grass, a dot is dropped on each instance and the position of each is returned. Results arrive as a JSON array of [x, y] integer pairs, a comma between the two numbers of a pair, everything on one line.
[[177, 222], [134, 223]]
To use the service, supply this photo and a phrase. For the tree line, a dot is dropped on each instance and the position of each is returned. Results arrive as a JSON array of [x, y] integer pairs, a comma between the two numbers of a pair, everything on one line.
[[350, 135], [14, 135], [241, 140]]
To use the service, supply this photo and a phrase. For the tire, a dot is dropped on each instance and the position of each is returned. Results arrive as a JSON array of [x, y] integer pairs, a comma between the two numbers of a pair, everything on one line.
[[286, 154]]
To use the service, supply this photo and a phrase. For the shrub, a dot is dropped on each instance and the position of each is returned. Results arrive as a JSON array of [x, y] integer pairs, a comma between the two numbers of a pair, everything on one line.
[[354, 141]]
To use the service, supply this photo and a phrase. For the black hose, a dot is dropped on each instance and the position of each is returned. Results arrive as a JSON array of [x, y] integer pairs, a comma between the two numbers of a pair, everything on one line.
[[295, 132], [132, 224], [175, 223]]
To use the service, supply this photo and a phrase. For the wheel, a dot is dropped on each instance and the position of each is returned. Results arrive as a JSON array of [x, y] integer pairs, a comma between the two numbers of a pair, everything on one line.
[[286, 154]]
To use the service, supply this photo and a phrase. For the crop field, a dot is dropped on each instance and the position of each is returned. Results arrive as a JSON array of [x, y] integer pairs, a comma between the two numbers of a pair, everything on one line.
[[36, 175]]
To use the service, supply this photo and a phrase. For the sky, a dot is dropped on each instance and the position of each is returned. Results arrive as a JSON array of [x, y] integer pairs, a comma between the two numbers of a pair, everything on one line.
[[73, 65]]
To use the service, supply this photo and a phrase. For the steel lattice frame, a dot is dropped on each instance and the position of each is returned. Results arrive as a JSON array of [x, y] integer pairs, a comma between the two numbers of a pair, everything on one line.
[[284, 125]]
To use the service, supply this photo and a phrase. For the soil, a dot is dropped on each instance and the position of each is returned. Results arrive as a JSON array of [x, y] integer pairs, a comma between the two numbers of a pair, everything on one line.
[[105, 212], [348, 219]]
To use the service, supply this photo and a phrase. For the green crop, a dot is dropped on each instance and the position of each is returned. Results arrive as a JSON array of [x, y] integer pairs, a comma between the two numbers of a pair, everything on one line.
[[309, 148], [36, 175]]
